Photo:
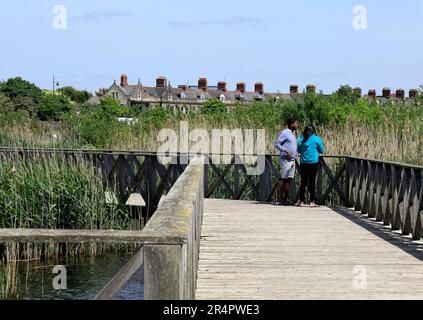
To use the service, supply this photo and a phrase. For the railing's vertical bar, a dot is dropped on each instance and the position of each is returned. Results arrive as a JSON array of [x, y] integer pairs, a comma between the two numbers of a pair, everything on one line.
[[396, 219], [378, 194], [319, 191], [405, 210], [415, 218], [371, 190], [348, 176], [236, 176]]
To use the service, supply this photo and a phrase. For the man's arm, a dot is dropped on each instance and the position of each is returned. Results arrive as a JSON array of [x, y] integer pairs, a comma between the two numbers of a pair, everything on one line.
[[280, 142]]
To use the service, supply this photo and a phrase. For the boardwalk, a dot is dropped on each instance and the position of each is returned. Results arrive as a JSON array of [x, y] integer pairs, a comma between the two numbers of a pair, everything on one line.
[[260, 251]]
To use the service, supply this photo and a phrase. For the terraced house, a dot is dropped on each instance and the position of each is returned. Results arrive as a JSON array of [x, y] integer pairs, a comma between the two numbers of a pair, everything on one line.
[[186, 97]]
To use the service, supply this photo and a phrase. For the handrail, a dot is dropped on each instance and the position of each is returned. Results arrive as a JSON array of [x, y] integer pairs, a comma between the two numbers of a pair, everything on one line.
[[155, 153]]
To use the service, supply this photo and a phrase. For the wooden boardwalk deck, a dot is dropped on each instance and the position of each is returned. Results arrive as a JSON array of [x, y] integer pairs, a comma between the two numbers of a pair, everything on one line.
[[260, 251]]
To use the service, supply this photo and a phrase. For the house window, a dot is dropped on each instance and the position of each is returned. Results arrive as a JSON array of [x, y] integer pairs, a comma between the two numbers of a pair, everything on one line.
[[183, 95], [115, 95], [222, 97]]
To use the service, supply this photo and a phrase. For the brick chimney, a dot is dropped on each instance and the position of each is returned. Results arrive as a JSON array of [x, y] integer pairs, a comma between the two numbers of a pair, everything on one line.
[[293, 89], [400, 94], [413, 93], [386, 92], [372, 93], [203, 84], [358, 91], [161, 82], [259, 87], [311, 88], [240, 86], [222, 86], [124, 80]]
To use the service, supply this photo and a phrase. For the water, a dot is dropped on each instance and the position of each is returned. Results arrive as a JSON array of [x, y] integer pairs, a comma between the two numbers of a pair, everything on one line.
[[85, 278]]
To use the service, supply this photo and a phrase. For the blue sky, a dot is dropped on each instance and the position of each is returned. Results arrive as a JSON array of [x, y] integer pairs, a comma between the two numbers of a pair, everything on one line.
[[273, 41]]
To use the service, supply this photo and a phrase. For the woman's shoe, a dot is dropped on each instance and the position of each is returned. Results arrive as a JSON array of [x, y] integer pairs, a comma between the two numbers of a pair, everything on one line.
[[314, 205]]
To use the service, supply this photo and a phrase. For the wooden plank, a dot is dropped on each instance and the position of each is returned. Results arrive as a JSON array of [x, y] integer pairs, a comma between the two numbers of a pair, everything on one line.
[[252, 250]]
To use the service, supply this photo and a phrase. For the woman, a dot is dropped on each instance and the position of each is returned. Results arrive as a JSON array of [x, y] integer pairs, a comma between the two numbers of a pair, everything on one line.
[[310, 146]]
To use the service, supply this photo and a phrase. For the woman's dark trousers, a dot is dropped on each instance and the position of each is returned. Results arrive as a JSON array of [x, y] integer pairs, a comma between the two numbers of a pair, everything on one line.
[[308, 179]]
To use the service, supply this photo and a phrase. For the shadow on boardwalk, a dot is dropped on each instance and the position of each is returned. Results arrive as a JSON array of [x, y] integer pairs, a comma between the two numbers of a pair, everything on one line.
[[405, 243]]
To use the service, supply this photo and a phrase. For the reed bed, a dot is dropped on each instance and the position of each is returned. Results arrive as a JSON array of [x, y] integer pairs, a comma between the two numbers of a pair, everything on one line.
[[52, 193]]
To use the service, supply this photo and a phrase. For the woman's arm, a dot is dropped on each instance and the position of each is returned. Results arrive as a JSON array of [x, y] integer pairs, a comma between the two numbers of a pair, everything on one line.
[[320, 146]]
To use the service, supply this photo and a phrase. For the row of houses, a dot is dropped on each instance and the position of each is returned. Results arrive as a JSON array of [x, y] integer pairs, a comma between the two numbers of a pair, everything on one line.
[[138, 95]]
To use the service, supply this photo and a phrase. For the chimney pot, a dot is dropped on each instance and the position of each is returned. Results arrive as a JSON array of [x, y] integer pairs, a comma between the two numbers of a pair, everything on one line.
[[311, 88], [203, 84], [372, 93], [293, 89], [400, 94], [161, 82], [124, 80], [413, 93], [241, 86], [259, 87], [386, 92], [222, 86]]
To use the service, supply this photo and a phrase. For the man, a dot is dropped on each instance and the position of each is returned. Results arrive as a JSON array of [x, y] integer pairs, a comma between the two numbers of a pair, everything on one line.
[[287, 145]]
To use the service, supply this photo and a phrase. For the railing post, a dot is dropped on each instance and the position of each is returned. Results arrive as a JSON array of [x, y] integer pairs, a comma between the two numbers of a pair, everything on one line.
[[163, 272], [348, 177], [264, 182]]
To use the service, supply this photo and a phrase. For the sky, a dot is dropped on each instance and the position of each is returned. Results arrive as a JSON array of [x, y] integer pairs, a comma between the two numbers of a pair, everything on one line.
[[276, 42]]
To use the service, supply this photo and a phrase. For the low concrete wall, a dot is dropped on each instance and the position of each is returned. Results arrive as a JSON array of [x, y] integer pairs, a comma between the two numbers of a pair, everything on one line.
[[171, 269]]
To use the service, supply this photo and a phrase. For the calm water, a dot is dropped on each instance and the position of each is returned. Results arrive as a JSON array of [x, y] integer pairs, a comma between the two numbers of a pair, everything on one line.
[[85, 278]]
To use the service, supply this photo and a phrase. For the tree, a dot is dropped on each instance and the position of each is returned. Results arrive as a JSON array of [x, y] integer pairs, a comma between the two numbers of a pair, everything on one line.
[[75, 95], [25, 104], [6, 105], [112, 107], [346, 94], [53, 105], [213, 106], [17, 87]]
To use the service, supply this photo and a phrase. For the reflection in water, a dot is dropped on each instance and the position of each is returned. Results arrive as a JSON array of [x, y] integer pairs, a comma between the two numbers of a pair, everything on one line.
[[85, 278]]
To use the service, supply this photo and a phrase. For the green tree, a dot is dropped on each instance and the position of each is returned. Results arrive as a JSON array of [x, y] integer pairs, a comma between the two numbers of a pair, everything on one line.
[[17, 87], [6, 104], [346, 94], [75, 95], [25, 104], [112, 107], [213, 106], [52, 106]]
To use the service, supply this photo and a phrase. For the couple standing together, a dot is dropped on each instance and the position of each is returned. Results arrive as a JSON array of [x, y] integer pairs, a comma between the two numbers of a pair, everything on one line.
[[309, 148]]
